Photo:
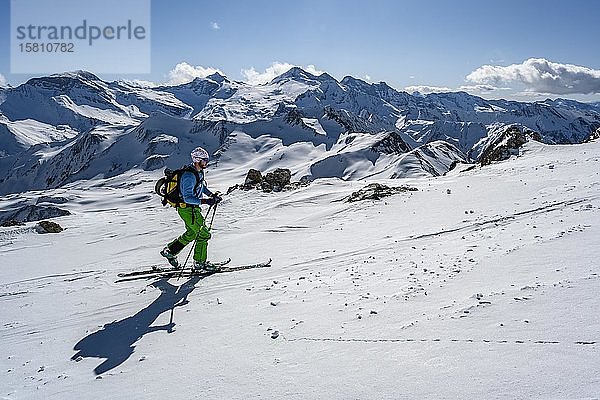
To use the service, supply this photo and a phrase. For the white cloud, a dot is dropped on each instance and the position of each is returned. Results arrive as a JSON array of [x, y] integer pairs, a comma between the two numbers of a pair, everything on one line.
[[480, 88], [184, 73], [368, 78], [424, 89], [2, 81], [312, 69], [539, 75], [254, 77], [215, 26]]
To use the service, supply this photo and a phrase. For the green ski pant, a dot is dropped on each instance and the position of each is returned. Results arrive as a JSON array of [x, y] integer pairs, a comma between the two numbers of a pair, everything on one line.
[[195, 230]]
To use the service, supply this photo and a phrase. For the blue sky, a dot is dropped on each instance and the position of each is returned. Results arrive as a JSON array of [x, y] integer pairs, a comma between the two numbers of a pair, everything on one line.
[[422, 44]]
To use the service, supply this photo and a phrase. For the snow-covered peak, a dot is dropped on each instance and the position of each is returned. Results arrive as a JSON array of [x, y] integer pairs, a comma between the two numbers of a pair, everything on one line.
[[66, 82], [458, 99], [217, 77], [78, 74], [205, 85], [297, 74], [353, 83], [571, 104], [325, 77], [295, 107], [349, 80]]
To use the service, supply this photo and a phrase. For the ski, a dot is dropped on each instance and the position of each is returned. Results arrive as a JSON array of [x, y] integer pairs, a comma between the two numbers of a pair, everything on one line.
[[156, 269], [158, 272], [228, 269], [188, 273]]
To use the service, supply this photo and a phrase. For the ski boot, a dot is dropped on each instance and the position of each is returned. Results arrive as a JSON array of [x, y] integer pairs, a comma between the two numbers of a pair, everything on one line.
[[166, 253], [204, 267]]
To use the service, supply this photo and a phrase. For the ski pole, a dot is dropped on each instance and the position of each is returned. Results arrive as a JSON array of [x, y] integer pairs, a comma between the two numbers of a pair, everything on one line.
[[213, 216]]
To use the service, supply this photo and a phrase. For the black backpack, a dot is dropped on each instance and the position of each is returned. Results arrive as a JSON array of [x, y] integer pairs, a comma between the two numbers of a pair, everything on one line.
[[168, 188]]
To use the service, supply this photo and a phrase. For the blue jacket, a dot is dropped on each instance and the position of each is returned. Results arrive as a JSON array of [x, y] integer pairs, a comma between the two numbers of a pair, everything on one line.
[[188, 181]]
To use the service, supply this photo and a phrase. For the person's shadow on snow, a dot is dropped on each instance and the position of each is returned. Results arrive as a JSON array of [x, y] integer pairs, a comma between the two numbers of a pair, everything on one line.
[[115, 341]]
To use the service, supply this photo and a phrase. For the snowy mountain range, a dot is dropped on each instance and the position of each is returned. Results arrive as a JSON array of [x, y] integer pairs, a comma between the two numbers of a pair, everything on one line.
[[66, 127]]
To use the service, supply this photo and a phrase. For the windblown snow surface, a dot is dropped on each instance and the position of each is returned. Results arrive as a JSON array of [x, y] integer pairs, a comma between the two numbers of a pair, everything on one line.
[[482, 284]]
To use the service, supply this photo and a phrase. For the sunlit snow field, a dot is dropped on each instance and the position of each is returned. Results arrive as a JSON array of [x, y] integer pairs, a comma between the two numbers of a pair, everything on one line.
[[480, 284]]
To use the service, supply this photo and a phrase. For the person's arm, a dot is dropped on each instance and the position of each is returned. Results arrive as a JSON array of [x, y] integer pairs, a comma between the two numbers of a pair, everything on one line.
[[188, 181], [207, 192]]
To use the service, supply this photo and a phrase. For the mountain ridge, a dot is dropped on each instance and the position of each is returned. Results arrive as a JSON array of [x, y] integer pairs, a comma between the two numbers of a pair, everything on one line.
[[157, 126]]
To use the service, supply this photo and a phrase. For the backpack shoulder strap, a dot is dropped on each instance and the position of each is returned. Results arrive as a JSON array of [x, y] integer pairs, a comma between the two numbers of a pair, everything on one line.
[[189, 168]]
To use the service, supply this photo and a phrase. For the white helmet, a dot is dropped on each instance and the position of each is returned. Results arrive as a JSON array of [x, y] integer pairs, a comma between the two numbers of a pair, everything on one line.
[[199, 154]]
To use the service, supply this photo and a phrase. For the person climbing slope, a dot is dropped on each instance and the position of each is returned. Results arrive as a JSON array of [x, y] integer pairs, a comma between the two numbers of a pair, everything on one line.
[[192, 189]]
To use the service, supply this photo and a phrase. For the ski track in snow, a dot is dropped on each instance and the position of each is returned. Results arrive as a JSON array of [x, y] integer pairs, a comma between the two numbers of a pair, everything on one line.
[[477, 282]]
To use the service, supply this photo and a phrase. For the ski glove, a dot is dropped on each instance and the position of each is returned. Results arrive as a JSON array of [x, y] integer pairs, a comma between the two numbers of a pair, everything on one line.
[[216, 198]]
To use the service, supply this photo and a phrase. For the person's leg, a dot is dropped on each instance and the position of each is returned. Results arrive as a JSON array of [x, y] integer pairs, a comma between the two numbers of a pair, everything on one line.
[[175, 247], [201, 251], [190, 234], [192, 217], [178, 244], [195, 231]]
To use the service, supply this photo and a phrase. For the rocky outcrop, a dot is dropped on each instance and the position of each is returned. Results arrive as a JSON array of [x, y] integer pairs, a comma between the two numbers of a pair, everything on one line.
[[52, 200], [28, 213], [507, 143], [10, 223], [254, 177], [594, 136], [391, 144], [276, 181], [48, 227], [377, 191]]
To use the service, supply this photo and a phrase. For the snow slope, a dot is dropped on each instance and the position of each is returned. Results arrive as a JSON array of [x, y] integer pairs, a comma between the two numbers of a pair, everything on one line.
[[19, 136], [481, 284]]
